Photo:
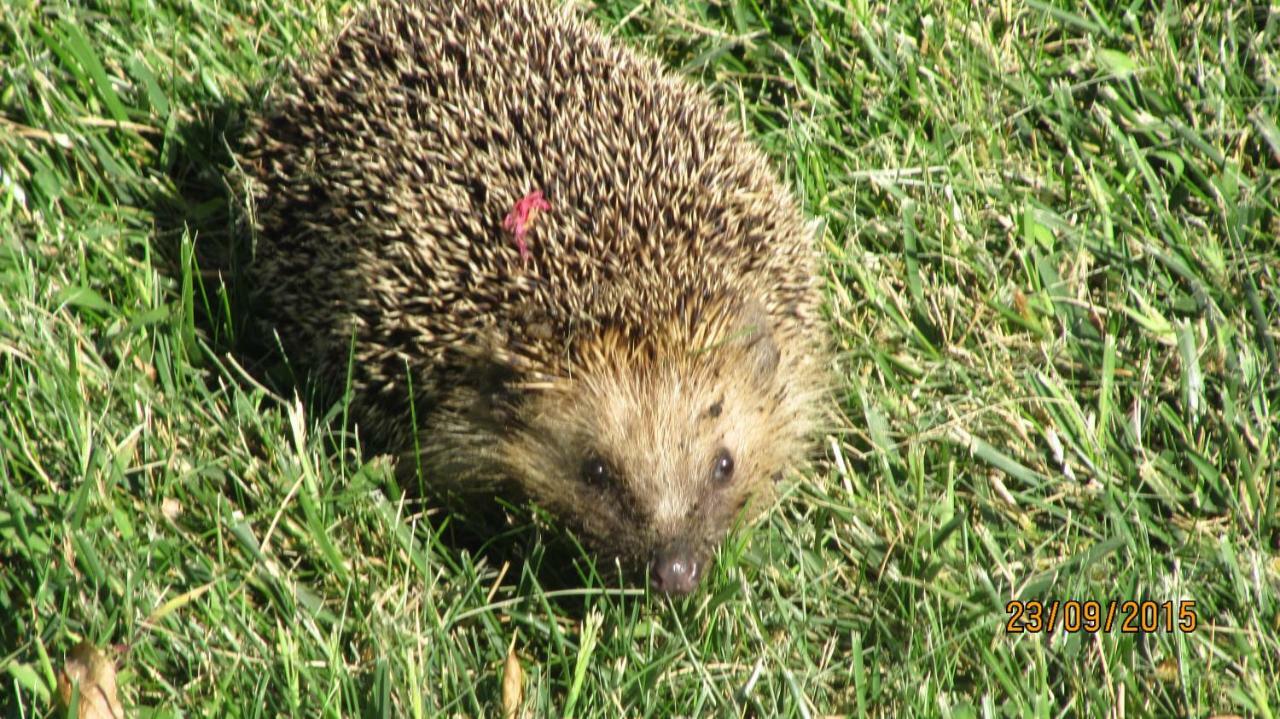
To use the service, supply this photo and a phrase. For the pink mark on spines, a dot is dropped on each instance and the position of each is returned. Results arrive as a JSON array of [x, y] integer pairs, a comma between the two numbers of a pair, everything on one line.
[[517, 221]]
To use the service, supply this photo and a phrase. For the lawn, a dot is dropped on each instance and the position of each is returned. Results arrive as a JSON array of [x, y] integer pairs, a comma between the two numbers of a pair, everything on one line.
[[1052, 241]]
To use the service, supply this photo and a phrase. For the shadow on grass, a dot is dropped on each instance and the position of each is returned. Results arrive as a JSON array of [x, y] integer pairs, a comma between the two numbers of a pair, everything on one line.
[[201, 241]]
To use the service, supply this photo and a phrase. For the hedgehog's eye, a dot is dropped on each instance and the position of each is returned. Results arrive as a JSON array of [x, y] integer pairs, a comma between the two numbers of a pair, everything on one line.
[[722, 470], [595, 471]]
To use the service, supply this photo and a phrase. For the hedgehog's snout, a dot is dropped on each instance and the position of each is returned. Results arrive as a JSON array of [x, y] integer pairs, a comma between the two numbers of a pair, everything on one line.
[[676, 569]]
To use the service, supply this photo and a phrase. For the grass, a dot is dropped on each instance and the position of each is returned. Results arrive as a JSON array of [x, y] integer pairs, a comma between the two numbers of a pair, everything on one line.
[[1054, 277]]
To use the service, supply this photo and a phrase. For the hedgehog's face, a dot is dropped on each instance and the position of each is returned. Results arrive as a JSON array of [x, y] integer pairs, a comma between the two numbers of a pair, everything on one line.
[[654, 456]]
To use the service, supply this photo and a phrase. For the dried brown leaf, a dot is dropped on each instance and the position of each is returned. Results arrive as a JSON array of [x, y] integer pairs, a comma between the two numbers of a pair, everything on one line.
[[93, 672], [512, 684]]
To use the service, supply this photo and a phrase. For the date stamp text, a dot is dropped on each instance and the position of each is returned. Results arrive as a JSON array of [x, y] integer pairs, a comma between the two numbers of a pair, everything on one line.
[[1125, 616]]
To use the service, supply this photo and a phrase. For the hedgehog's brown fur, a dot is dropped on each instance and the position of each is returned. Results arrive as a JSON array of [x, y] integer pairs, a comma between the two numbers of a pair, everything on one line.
[[668, 308]]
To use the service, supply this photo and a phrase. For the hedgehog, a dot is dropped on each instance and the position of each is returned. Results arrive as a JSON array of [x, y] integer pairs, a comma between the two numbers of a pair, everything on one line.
[[542, 264]]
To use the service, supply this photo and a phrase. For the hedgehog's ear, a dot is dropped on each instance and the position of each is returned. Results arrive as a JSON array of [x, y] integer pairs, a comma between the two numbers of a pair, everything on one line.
[[496, 401], [755, 336]]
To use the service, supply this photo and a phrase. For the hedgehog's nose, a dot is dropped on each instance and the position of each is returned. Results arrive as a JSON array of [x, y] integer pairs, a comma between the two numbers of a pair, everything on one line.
[[675, 569]]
